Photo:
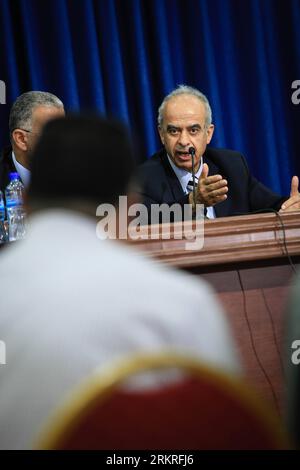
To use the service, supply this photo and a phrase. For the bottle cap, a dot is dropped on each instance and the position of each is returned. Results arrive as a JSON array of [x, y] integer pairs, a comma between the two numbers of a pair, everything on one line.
[[14, 176]]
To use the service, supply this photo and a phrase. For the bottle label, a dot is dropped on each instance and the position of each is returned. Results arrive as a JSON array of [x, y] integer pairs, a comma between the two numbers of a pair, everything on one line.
[[13, 202]]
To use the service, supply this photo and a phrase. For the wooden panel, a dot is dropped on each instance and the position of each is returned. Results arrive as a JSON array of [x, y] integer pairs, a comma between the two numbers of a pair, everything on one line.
[[257, 320]]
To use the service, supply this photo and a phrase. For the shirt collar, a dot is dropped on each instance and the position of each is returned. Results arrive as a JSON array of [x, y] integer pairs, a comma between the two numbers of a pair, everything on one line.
[[184, 176], [23, 172]]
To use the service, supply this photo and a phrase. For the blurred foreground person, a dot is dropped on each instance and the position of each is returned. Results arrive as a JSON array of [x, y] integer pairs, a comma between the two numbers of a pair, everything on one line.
[[72, 302]]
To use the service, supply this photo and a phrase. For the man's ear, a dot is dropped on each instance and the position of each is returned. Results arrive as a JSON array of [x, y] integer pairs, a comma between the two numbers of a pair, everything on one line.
[[210, 132], [161, 135], [20, 139]]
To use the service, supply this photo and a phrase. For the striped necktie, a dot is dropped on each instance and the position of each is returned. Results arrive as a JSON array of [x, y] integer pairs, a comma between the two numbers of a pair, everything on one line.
[[189, 187]]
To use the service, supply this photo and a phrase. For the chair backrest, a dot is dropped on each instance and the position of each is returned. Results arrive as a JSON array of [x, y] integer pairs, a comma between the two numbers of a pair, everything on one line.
[[205, 409]]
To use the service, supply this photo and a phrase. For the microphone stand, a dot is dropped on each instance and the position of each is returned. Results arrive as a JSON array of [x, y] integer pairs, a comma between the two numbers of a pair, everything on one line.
[[192, 153]]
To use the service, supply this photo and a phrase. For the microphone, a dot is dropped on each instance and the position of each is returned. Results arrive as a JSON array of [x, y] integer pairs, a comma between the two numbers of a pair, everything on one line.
[[192, 153]]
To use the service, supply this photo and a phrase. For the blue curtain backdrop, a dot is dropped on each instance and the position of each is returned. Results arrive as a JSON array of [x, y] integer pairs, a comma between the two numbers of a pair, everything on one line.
[[122, 56]]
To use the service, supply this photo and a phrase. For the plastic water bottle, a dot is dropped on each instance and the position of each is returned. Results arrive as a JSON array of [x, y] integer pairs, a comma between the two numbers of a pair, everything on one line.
[[3, 225], [15, 210]]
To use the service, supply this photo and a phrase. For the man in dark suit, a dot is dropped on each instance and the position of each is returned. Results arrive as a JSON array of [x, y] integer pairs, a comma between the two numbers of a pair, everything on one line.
[[28, 115], [224, 184]]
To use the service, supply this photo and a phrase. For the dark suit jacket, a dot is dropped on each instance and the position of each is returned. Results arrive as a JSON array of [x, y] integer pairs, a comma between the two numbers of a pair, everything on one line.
[[6, 166], [159, 184]]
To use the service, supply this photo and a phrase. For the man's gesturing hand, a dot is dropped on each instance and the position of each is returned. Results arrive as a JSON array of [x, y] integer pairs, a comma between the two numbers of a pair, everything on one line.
[[293, 203], [210, 190]]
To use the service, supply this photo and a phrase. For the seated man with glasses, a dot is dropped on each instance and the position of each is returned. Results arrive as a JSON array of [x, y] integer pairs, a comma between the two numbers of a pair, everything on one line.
[[28, 115], [223, 183]]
